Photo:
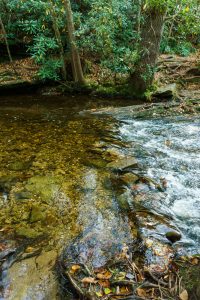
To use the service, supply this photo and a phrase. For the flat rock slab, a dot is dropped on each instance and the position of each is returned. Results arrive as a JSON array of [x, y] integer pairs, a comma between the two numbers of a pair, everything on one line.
[[168, 91], [123, 163]]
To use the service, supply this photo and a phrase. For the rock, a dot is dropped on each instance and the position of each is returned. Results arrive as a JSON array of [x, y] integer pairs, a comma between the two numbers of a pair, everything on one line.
[[44, 186], [27, 232], [129, 178], [23, 195], [37, 214], [168, 91], [33, 278], [19, 166], [124, 199], [173, 236], [113, 153], [6, 182], [123, 163]]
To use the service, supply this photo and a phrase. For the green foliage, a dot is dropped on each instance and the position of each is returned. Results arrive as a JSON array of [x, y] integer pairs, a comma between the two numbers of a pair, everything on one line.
[[182, 27], [50, 70], [107, 32]]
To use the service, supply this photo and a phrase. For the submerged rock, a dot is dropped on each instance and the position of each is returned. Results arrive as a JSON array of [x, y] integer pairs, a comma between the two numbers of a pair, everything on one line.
[[129, 178], [27, 232], [37, 214], [123, 163], [19, 165]]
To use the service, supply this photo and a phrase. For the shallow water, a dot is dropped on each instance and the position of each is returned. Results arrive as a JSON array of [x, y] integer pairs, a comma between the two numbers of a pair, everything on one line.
[[56, 191]]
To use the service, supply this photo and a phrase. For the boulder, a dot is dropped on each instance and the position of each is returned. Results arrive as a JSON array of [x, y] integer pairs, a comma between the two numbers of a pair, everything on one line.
[[173, 236], [167, 91]]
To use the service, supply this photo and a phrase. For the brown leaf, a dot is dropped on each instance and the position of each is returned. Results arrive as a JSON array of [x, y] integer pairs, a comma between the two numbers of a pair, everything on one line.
[[184, 295], [104, 276], [75, 268], [141, 292], [88, 280], [194, 261], [104, 283]]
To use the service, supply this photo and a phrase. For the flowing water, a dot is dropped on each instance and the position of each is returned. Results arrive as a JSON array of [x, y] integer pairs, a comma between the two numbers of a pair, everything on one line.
[[170, 149], [58, 195]]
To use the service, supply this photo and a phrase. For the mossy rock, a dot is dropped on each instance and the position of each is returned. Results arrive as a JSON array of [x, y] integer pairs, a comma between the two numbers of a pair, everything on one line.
[[44, 186], [27, 232], [19, 166], [38, 213]]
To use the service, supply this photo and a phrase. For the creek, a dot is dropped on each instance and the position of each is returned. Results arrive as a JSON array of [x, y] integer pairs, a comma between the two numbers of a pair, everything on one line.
[[63, 192]]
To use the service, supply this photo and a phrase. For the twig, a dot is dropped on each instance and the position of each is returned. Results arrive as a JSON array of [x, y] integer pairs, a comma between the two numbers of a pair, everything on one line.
[[159, 281], [79, 290]]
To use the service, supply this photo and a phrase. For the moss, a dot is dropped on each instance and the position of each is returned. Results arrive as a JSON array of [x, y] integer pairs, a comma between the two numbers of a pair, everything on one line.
[[27, 232], [191, 278]]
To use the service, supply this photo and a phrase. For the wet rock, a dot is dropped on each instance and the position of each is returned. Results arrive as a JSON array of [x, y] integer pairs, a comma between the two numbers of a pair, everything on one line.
[[129, 178], [6, 182], [23, 195], [45, 186], [19, 166], [27, 232], [113, 154], [168, 91], [173, 236], [37, 214], [123, 163], [33, 278], [124, 200]]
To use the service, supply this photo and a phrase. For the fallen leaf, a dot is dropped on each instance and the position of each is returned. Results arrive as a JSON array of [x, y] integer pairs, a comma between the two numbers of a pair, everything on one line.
[[2, 247], [88, 280], [107, 291], [104, 276], [184, 295], [104, 283], [75, 268], [194, 261], [141, 292], [29, 249], [99, 294], [120, 276], [124, 290]]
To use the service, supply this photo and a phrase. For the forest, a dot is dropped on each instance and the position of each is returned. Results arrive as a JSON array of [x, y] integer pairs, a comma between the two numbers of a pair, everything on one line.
[[110, 46], [99, 149]]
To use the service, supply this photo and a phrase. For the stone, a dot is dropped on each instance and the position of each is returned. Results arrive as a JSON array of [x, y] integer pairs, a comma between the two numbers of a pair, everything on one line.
[[173, 236], [27, 232], [33, 278], [124, 199], [19, 166], [37, 214], [129, 178], [123, 163], [168, 91], [23, 195]]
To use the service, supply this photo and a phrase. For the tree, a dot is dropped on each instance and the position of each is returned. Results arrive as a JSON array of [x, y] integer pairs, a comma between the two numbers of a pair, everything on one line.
[[75, 57], [151, 33], [58, 38]]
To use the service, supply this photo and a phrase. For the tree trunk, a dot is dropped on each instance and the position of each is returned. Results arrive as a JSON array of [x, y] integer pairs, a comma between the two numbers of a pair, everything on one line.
[[75, 57], [58, 38], [151, 33], [7, 45]]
